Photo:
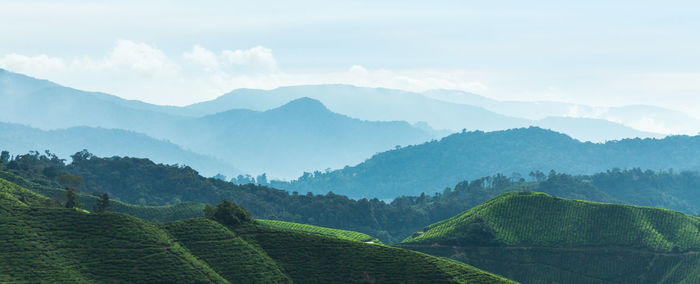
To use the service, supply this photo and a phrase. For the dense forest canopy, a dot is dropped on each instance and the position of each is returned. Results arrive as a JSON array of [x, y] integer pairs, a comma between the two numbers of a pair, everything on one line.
[[432, 166], [140, 181]]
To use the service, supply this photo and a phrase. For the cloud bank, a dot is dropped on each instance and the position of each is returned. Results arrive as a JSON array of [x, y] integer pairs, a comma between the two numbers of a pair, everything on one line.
[[138, 70]]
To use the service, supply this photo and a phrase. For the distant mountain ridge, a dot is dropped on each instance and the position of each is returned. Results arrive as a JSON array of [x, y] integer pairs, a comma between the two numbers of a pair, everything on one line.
[[302, 134], [636, 116], [19, 139], [283, 142], [432, 166], [388, 104]]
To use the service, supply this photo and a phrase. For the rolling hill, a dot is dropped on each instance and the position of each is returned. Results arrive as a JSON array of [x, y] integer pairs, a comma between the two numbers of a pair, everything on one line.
[[40, 243], [178, 193], [534, 237], [432, 166]]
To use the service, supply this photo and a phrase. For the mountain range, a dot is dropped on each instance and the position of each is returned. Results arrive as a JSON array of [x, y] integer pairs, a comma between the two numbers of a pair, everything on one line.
[[301, 135], [439, 113], [643, 117], [287, 131]]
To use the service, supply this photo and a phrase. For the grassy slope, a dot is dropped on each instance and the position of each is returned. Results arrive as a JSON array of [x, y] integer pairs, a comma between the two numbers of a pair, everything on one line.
[[540, 238], [56, 244], [231, 256], [312, 258], [336, 233], [68, 245], [167, 213]]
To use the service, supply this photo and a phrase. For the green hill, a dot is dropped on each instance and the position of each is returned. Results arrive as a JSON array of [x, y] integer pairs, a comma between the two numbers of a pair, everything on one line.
[[336, 233], [141, 181], [166, 213], [53, 244], [535, 237], [312, 258]]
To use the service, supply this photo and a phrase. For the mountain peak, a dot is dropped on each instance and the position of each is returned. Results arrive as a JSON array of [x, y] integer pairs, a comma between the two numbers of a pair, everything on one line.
[[304, 104]]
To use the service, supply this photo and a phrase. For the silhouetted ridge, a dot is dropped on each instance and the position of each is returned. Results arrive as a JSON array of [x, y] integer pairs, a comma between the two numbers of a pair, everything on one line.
[[303, 105]]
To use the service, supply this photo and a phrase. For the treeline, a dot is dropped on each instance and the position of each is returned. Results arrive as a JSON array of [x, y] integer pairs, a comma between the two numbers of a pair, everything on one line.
[[140, 181]]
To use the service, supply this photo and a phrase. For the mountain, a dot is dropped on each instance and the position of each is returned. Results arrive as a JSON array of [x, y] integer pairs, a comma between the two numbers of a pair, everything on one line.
[[593, 130], [641, 117], [301, 135], [46, 105], [44, 243], [377, 104], [475, 113], [432, 166], [537, 238], [106, 142]]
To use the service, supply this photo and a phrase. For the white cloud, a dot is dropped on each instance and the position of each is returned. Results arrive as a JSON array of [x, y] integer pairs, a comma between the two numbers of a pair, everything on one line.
[[39, 64], [131, 56], [136, 70], [202, 56], [254, 60], [260, 57]]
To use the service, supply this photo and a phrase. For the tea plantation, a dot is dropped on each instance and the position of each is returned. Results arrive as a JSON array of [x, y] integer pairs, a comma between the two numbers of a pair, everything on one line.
[[336, 233], [538, 238], [50, 244]]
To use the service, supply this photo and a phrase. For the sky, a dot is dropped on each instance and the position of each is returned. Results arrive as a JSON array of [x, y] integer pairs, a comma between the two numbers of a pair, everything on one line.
[[180, 52]]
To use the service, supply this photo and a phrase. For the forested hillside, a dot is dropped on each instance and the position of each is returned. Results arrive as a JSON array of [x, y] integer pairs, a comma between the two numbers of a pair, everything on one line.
[[432, 166], [44, 243], [535, 238], [141, 181]]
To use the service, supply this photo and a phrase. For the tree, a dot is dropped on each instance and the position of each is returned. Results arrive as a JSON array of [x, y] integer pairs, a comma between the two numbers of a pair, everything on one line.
[[227, 213], [262, 179], [71, 196], [50, 172], [102, 204], [4, 157], [71, 181], [220, 176]]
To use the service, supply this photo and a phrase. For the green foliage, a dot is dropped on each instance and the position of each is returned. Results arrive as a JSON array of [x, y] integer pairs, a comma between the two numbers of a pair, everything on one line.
[[71, 195], [228, 213], [336, 233], [103, 204], [140, 181], [14, 195], [539, 238], [228, 254], [70, 181], [67, 245], [530, 218], [312, 258]]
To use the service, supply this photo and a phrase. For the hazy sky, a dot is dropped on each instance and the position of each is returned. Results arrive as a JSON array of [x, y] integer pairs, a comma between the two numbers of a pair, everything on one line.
[[180, 52]]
